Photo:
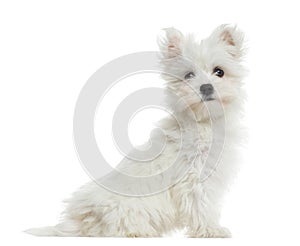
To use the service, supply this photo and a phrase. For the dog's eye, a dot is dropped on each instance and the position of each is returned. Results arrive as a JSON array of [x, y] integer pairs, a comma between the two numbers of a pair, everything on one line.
[[218, 72], [189, 75]]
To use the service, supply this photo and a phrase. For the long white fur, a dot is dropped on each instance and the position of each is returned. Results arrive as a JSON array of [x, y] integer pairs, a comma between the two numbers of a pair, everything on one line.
[[190, 204]]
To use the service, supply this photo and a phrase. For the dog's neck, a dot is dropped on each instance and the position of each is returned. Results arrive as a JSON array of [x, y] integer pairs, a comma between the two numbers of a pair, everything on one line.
[[220, 117]]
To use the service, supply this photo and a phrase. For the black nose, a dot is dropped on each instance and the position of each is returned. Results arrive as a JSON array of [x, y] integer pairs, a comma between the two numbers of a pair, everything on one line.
[[206, 89]]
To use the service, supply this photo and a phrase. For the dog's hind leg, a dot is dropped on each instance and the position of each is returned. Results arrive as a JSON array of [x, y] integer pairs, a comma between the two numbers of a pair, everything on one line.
[[64, 229]]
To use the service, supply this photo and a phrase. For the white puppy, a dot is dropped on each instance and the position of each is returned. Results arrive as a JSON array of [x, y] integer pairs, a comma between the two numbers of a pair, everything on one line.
[[207, 77]]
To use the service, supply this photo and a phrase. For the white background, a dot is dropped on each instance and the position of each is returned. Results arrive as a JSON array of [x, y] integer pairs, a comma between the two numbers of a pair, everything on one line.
[[49, 49]]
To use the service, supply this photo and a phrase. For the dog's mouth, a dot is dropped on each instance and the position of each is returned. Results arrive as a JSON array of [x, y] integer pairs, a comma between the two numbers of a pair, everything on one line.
[[206, 99]]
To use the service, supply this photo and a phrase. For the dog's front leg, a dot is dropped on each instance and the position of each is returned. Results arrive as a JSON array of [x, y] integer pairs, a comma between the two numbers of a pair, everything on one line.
[[204, 215]]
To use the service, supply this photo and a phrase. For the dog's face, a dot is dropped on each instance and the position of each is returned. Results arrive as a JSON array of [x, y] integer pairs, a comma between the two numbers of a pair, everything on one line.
[[204, 73]]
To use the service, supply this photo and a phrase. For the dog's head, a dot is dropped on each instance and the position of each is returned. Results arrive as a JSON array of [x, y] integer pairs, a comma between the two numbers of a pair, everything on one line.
[[203, 74]]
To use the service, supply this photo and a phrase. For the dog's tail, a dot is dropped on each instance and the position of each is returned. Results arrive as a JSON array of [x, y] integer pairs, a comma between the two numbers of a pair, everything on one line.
[[60, 230]]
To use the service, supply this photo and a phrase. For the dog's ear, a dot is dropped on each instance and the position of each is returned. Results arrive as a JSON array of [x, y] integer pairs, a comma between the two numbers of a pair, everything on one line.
[[231, 38], [171, 42]]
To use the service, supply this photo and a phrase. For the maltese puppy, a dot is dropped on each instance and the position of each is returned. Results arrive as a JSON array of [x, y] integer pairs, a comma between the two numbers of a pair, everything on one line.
[[204, 91]]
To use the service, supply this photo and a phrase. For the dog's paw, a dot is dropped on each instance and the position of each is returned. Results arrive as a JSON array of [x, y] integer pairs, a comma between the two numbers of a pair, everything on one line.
[[210, 232]]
